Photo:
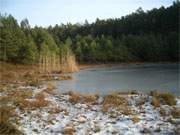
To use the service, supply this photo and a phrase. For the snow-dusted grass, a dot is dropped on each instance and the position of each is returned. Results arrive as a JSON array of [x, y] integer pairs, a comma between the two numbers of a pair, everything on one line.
[[48, 113]]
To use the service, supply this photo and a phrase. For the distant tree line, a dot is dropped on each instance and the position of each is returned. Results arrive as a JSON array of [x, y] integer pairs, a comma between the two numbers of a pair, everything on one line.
[[25, 45], [149, 36]]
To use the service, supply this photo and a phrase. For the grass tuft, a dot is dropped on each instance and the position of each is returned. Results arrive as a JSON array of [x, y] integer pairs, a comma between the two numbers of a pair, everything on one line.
[[155, 102], [135, 119], [175, 113], [40, 101], [6, 128], [80, 98], [118, 102], [162, 98]]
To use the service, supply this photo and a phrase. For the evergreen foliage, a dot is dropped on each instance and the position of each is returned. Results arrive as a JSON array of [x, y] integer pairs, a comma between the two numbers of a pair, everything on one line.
[[141, 36]]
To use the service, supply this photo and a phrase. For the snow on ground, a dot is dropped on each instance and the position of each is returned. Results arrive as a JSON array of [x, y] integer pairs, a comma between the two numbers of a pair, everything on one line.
[[88, 119]]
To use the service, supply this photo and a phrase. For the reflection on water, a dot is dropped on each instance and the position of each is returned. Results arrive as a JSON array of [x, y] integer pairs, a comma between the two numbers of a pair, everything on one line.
[[164, 77]]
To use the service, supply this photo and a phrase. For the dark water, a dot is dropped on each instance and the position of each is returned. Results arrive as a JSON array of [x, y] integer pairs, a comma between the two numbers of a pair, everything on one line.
[[164, 77]]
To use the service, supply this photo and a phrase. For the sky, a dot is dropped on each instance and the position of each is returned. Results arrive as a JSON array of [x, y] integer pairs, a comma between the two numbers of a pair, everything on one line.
[[51, 12]]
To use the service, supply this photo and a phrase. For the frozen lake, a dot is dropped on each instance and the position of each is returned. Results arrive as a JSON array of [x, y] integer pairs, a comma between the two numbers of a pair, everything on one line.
[[146, 77]]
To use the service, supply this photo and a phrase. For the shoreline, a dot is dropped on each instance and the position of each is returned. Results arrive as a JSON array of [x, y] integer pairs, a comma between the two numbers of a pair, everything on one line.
[[87, 66]]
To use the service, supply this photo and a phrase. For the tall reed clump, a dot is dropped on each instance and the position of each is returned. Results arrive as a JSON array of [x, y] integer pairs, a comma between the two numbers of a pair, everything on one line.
[[62, 61], [69, 64]]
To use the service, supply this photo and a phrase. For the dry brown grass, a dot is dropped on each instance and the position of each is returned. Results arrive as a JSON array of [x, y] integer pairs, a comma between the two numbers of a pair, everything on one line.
[[82, 98], [105, 108], [40, 101], [162, 98], [33, 82], [69, 130], [6, 128], [168, 98], [123, 109], [70, 65], [155, 102], [16, 73], [90, 98], [56, 110], [74, 97], [17, 98], [50, 88], [115, 100], [65, 77], [22, 74], [22, 93], [11, 77], [135, 119], [5, 113], [118, 102]]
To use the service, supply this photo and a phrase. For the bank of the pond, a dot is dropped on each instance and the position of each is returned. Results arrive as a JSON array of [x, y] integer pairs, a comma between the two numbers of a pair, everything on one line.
[[100, 65], [39, 111]]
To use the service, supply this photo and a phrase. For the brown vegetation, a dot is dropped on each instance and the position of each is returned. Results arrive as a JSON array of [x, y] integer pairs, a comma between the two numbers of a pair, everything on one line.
[[74, 97], [115, 100], [155, 102], [56, 110], [118, 102], [159, 98], [135, 119], [31, 75], [5, 126], [40, 101], [175, 112], [50, 88], [80, 98], [11, 77], [65, 77], [69, 130], [162, 112]]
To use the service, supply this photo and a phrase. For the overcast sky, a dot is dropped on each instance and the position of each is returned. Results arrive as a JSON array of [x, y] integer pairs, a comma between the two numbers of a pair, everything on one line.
[[51, 12]]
